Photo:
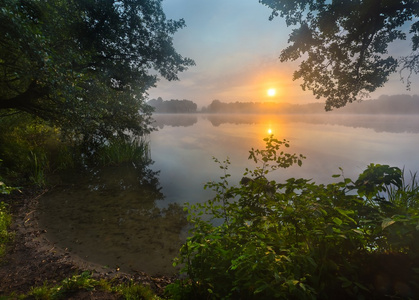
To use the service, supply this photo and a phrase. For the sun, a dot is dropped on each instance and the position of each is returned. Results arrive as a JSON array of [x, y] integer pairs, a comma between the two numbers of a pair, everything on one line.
[[271, 92]]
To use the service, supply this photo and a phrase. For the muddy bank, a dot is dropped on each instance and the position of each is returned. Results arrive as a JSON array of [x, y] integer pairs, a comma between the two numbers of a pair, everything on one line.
[[31, 259]]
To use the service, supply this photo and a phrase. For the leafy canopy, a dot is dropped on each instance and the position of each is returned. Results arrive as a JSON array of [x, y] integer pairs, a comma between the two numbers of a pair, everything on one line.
[[344, 44], [85, 65]]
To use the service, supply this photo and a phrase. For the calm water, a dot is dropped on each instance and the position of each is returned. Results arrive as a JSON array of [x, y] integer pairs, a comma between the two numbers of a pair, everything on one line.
[[132, 219]]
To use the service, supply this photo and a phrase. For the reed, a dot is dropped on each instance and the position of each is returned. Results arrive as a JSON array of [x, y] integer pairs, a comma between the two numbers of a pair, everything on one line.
[[407, 194], [119, 151], [38, 164]]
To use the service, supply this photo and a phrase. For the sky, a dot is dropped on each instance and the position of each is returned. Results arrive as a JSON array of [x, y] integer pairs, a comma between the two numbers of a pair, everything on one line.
[[236, 49]]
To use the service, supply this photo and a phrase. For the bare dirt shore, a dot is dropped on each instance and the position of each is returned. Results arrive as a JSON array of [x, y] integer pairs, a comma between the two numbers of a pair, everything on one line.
[[31, 259]]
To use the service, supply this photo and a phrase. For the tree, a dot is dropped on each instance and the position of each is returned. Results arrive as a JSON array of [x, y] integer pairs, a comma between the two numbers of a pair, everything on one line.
[[85, 65], [344, 44], [173, 105]]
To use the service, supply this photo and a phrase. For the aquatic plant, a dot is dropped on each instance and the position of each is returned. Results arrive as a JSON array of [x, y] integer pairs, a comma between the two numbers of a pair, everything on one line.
[[122, 150]]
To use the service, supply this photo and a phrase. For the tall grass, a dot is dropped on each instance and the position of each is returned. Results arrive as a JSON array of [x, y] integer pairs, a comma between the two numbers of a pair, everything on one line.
[[407, 194], [31, 149], [119, 151], [37, 165]]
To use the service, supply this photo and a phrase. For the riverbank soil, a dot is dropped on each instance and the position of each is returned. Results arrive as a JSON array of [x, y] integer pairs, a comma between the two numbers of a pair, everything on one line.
[[31, 259]]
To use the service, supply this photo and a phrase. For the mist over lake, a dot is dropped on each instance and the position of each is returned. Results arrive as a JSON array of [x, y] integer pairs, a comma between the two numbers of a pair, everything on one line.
[[185, 144], [143, 232]]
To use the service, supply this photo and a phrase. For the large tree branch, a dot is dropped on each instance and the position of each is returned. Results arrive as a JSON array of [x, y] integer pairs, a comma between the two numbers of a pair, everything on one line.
[[26, 100]]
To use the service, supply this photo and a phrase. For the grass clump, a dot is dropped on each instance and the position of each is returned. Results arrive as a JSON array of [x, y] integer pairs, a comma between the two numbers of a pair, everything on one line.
[[120, 150], [132, 291], [85, 282]]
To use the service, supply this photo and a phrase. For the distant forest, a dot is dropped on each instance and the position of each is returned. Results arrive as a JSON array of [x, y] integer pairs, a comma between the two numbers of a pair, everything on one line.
[[173, 106], [396, 104]]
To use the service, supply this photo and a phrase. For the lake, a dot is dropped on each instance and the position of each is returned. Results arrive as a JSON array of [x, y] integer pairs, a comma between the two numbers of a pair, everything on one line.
[[121, 217]]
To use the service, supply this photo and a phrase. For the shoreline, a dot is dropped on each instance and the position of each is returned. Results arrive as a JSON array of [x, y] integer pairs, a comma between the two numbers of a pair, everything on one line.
[[31, 259]]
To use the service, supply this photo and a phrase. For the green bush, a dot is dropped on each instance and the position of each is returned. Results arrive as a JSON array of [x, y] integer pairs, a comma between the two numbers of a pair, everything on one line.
[[261, 239], [30, 149]]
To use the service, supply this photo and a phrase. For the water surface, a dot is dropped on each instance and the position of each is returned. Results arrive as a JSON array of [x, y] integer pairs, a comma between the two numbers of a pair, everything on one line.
[[133, 219]]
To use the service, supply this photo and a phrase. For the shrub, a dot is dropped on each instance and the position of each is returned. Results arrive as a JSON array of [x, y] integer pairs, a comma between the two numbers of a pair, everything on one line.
[[30, 148], [261, 239]]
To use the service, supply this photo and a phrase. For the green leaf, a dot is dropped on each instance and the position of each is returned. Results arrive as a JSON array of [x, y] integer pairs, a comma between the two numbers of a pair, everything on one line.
[[337, 221], [387, 222], [357, 231], [261, 288], [345, 213]]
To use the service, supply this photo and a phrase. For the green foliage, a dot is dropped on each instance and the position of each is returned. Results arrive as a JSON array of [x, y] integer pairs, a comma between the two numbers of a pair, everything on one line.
[[43, 292], [37, 165], [344, 44], [131, 291], [5, 217], [5, 189], [173, 106], [123, 150], [5, 220], [85, 66], [298, 240], [84, 281], [31, 149], [68, 285]]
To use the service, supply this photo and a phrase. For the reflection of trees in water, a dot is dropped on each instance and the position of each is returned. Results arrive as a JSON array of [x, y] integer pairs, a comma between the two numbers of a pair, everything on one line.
[[217, 120], [379, 123], [174, 120], [125, 177], [110, 216]]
